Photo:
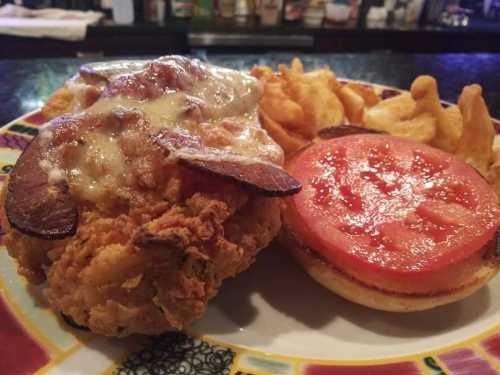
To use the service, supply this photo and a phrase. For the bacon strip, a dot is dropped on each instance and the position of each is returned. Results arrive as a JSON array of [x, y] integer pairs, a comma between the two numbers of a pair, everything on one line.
[[39, 209], [157, 77], [345, 130], [262, 177], [107, 69], [32, 205]]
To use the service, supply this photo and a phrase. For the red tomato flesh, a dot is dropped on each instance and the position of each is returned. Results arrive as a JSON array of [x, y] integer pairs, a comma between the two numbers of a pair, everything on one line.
[[388, 210]]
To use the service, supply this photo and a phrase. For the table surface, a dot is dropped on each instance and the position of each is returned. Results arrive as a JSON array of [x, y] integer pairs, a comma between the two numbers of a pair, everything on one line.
[[26, 84]]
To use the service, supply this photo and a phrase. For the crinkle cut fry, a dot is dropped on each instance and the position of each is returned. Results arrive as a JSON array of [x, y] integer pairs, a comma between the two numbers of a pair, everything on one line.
[[476, 142]]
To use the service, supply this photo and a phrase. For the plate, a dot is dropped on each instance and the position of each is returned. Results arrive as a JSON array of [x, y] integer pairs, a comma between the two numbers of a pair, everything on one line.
[[271, 319]]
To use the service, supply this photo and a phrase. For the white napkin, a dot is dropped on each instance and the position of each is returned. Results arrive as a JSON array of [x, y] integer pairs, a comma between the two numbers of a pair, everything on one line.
[[46, 23]]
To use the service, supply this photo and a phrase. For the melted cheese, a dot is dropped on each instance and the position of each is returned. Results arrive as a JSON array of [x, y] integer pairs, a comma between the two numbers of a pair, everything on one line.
[[97, 166], [220, 109], [164, 111], [82, 92]]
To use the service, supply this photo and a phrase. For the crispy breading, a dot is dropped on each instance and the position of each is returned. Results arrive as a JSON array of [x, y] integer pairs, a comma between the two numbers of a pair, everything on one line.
[[76, 95], [59, 103], [161, 200], [148, 256], [122, 275]]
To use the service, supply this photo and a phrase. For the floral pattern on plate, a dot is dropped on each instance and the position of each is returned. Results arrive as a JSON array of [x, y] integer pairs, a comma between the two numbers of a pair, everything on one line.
[[51, 346]]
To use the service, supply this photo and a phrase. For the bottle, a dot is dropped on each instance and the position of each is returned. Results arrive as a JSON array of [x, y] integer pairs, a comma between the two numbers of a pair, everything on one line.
[[151, 10], [106, 6], [270, 11], [355, 4], [314, 13], [434, 10], [123, 12], [160, 9], [293, 11], [226, 8], [182, 8], [203, 9], [257, 5], [242, 11], [414, 11], [400, 10]]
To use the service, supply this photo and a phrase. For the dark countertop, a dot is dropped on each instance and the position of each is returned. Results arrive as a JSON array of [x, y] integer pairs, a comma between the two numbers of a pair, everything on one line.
[[26, 84]]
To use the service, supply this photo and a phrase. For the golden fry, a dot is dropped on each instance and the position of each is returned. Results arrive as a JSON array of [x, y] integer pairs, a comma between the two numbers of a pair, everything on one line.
[[494, 172], [262, 72], [454, 121], [425, 92], [327, 107], [476, 142], [396, 116], [300, 93], [322, 108], [401, 106], [421, 128], [280, 107], [494, 178], [496, 149], [297, 65], [354, 104], [296, 105], [389, 111], [288, 141], [367, 93], [324, 75]]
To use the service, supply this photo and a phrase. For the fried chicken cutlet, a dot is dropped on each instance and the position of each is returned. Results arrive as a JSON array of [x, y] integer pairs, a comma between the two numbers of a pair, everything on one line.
[[135, 208]]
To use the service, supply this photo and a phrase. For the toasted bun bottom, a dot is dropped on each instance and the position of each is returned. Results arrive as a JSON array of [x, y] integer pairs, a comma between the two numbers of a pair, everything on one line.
[[356, 291]]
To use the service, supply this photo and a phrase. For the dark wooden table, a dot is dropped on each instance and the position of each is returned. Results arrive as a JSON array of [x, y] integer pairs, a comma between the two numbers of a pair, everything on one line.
[[26, 84]]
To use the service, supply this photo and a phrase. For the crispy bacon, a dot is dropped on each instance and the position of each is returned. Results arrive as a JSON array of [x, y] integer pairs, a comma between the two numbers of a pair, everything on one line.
[[344, 130], [35, 207], [45, 210], [157, 77], [264, 178], [105, 71], [261, 176]]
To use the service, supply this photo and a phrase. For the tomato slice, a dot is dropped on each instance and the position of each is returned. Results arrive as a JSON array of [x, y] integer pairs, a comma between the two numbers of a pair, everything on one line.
[[393, 213]]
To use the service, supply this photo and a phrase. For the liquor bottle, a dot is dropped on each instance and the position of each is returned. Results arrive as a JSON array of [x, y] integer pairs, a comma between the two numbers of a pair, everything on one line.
[[123, 12], [226, 8], [293, 11], [243, 11], [182, 8], [270, 11], [203, 9]]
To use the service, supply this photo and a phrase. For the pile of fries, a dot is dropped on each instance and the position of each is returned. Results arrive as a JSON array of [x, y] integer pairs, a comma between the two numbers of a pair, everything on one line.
[[296, 104]]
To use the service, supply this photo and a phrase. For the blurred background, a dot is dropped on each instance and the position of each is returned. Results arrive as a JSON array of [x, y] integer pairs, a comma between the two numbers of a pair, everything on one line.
[[101, 28]]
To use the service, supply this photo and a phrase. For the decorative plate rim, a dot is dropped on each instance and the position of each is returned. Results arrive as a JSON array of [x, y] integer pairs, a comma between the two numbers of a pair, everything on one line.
[[298, 364]]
